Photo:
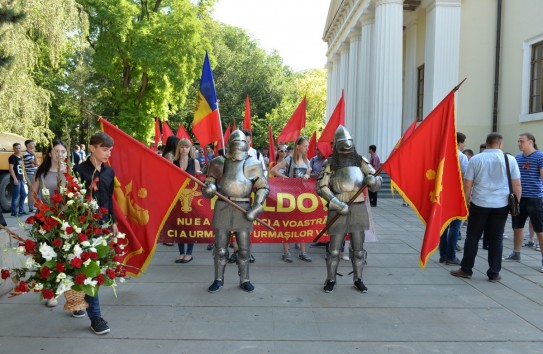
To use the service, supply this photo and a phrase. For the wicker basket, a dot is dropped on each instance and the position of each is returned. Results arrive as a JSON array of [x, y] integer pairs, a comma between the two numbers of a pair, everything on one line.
[[75, 300]]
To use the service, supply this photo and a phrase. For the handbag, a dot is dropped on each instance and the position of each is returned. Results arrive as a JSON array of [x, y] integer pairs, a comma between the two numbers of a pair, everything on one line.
[[513, 205]]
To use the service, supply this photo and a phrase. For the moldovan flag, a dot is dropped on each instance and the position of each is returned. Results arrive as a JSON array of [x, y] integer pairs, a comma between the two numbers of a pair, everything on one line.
[[142, 199], [166, 132], [426, 172], [206, 125], [294, 126], [327, 137]]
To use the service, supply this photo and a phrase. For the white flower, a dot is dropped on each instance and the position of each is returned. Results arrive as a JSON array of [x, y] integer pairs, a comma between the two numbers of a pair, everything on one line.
[[77, 251], [121, 235], [47, 251], [70, 195], [20, 250], [83, 191], [87, 262], [66, 247], [45, 192], [89, 281], [62, 190], [85, 243], [78, 230], [30, 263], [64, 286], [38, 286], [93, 204], [42, 231], [70, 202], [92, 249], [64, 226], [61, 276]]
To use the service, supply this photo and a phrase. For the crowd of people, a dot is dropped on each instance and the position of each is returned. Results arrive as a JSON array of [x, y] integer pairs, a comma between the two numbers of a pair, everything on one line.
[[489, 177]]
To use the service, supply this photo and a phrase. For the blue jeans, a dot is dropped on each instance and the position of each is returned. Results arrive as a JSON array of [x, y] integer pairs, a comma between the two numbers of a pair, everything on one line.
[[93, 311], [449, 239], [181, 247], [491, 221], [18, 196]]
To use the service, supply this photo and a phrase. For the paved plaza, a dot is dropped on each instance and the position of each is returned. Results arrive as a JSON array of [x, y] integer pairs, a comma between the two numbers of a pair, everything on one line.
[[406, 310]]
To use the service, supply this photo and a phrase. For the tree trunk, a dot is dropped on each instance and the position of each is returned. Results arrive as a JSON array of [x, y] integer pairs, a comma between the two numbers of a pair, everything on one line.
[[144, 82]]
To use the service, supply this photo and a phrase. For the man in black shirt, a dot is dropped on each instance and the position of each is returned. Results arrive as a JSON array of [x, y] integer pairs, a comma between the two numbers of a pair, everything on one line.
[[18, 191], [99, 182]]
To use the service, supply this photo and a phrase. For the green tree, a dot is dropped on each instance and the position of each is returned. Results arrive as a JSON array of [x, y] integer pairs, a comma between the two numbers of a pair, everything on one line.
[[41, 38], [148, 54]]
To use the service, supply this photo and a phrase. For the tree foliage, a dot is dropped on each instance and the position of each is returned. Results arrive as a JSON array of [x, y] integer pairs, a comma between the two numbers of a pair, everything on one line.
[[38, 40]]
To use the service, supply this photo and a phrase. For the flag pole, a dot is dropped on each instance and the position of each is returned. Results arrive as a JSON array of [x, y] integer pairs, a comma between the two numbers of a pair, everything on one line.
[[220, 125], [338, 215], [225, 199]]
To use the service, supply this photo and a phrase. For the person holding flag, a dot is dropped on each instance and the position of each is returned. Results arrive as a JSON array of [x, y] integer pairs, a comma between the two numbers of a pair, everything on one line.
[[235, 175], [342, 176]]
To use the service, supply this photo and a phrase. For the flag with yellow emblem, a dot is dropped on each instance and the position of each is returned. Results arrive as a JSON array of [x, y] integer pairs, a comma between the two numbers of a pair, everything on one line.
[[142, 198], [425, 170]]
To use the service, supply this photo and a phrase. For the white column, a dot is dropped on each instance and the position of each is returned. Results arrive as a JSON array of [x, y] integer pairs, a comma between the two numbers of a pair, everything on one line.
[[336, 91], [344, 70], [442, 51], [329, 83], [352, 113], [388, 74], [364, 127], [410, 79]]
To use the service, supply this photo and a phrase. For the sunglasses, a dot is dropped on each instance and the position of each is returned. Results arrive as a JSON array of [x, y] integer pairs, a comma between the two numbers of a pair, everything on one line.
[[281, 151]]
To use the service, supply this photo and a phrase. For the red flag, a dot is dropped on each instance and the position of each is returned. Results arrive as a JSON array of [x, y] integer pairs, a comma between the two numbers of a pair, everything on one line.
[[142, 200], [312, 149], [157, 133], [166, 132], [271, 146], [247, 119], [327, 136], [206, 125], [182, 133], [425, 171], [294, 126], [225, 138], [234, 124]]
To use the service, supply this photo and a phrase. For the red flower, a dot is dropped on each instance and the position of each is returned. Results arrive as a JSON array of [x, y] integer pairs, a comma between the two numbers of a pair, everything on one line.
[[76, 262], [47, 294], [85, 256], [57, 198], [82, 237], [97, 216], [60, 267], [80, 278], [30, 219], [69, 230], [46, 227], [5, 273], [30, 246], [110, 273], [51, 222], [120, 270], [100, 279], [57, 242], [97, 230], [45, 272], [21, 287], [93, 255], [104, 210], [82, 219]]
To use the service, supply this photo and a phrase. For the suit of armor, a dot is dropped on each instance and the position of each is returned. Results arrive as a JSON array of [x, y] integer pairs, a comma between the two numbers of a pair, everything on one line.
[[342, 176], [235, 176]]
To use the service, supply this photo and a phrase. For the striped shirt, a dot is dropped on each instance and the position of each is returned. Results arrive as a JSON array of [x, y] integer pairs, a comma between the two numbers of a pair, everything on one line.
[[28, 158], [530, 174]]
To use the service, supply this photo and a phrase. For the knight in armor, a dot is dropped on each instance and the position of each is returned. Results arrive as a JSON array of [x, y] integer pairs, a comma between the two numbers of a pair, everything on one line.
[[235, 176], [342, 175]]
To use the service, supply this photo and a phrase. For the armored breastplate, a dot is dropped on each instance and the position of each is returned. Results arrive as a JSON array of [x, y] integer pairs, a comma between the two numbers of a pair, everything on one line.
[[233, 182], [347, 179]]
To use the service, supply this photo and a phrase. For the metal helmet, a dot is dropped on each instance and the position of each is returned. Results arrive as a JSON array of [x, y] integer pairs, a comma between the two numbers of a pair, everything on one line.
[[343, 142], [237, 146]]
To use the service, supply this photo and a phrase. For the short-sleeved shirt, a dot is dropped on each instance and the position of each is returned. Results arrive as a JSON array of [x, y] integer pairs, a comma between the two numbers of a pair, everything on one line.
[[490, 185], [28, 160], [463, 160], [16, 161], [316, 163], [530, 174]]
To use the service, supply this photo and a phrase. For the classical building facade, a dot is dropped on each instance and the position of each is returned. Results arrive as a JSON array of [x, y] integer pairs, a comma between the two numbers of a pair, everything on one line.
[[396, 60]]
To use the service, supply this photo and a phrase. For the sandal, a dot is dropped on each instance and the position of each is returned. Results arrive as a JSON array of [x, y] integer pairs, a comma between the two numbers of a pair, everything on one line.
[[538, 248]]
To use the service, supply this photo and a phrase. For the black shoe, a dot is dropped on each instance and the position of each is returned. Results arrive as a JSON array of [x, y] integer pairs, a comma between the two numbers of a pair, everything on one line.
[[247, 286], [360, 286], [233, 258], [210, 247], [329, 286], [495, 279], [23, 213], [252, 259], [442, 259], [99, 326], [216, 286], [78, 314]]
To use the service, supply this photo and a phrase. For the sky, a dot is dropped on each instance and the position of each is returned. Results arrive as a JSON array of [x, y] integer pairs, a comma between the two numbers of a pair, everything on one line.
[[292, 27]]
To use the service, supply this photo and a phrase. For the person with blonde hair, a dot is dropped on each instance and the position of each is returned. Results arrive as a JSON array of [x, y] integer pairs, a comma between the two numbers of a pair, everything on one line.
[[185, 158], [295, 166]]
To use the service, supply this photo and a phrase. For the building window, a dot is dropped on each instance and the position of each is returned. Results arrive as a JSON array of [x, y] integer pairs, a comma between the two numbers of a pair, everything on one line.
[[420, 92], [536, 78]]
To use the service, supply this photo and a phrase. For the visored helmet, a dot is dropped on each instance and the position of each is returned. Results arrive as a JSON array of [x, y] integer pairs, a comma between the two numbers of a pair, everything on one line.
[[237, 146], [343, 142]]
